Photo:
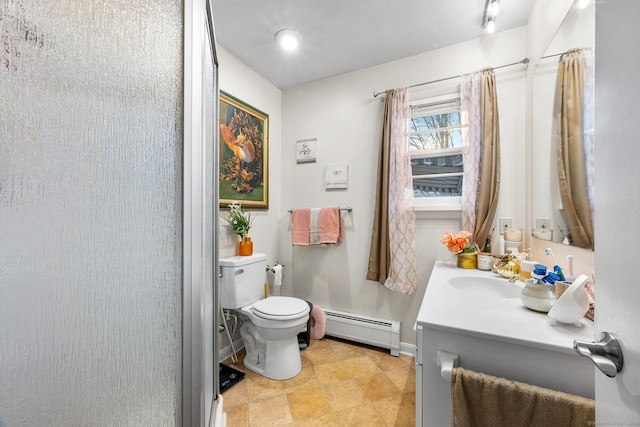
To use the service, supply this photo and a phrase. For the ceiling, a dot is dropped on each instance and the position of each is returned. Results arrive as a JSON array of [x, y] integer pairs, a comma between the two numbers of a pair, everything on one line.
[[347, 35]]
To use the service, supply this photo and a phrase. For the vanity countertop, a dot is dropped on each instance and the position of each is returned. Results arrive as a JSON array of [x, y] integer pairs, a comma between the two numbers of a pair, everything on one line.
[[483, 314]]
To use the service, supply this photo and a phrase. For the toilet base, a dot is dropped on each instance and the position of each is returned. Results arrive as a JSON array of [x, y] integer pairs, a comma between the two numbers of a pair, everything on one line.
[[277, 359]]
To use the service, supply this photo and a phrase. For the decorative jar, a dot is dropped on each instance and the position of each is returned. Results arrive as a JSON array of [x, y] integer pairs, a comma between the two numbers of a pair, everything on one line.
[[468, 260]]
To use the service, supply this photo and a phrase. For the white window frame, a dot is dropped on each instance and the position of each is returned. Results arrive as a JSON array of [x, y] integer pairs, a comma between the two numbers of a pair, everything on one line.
[[439, 203]]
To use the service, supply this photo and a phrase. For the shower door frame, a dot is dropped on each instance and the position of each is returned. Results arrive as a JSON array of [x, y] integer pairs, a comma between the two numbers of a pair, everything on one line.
[[201, 402]]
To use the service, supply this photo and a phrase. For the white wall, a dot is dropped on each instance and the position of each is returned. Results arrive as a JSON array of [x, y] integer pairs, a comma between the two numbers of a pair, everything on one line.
[[345, 118], [237, 79]]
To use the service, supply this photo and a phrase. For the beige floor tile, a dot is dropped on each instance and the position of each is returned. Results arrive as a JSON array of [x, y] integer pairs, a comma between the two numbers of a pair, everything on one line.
[[341, 384], [320, 355], [345, 394], [304, 380], [326, 420], [377, 386], [329, 373], [237, 416], [359, 416], [375, 351], [308, 403], [344, 350], [386, 363], [361, 366], [305, 360], [272, 411], [259, 387], [315, 344], [398, 410], [236, 395], [403, 378]]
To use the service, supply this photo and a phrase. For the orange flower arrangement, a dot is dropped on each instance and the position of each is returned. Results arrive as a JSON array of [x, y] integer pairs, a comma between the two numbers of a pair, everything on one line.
[[458, 243]]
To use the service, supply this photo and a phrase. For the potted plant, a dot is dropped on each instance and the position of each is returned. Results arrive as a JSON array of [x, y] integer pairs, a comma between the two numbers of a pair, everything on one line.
[[459, 244], [240, 221]]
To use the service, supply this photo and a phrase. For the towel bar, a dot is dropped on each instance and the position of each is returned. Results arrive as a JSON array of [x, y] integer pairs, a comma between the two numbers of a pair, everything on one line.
[[342, 209], [446, 361]]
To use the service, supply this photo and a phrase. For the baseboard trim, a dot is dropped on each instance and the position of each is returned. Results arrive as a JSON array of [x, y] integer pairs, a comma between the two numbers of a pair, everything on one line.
[[406, 349], [226, 352]]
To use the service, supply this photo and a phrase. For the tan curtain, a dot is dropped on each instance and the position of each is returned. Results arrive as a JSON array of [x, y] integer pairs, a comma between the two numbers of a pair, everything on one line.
[[398, 257], [572, 174], [379, 252], [489, 173]]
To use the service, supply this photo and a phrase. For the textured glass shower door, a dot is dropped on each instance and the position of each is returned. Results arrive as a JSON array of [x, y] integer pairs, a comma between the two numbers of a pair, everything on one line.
[[91, 191]]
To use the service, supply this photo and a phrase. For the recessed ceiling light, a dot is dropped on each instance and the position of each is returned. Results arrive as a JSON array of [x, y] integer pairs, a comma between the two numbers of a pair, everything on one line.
[[289, 39]]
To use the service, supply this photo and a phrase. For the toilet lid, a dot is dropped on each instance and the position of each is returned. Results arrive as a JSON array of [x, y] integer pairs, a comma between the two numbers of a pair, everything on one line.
[[282, 308]]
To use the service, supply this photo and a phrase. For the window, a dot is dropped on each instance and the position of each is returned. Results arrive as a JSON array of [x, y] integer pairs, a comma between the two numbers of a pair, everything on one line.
[[437, 131]]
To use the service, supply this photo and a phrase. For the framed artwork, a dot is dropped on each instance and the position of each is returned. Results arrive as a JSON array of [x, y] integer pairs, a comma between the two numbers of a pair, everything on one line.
[[244, 149], [306, 150]]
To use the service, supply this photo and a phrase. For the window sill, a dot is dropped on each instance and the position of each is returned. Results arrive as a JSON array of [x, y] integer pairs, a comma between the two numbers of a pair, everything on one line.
[[437, 211], [440, 208]]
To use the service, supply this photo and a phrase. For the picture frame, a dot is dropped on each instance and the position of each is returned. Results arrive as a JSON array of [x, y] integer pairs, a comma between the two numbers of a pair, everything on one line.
[[306, 150], [244, 154]]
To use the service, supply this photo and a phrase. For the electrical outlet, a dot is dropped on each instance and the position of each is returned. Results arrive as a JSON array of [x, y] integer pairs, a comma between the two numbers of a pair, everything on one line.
[[543, 223], [505, 224]]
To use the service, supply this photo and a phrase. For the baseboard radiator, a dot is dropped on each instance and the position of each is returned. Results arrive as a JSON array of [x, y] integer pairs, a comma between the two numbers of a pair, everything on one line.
[[365, 329]]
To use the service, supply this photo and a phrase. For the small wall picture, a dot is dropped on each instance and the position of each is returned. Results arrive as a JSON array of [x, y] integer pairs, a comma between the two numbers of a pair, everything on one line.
[[336, 177], [306, 150], [244, 152]]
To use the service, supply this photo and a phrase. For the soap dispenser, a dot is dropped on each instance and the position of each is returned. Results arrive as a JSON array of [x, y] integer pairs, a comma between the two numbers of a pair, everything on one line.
[[527, 266]]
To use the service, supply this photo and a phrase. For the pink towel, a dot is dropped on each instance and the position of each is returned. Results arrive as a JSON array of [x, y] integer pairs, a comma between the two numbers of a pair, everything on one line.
[[300, 221], [330, 226]]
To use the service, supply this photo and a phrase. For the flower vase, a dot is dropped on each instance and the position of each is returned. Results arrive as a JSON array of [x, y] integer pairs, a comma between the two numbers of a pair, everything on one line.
[[467, 260], [245, 247]]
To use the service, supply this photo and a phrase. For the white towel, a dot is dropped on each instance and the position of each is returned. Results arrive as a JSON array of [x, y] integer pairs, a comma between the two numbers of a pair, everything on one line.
[[314, 227]]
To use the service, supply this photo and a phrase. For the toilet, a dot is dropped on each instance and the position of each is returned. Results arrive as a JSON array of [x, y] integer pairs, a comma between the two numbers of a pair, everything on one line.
[[270, 326]]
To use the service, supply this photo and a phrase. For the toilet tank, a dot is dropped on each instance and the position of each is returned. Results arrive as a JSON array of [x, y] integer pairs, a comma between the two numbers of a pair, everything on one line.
[[242, 281]]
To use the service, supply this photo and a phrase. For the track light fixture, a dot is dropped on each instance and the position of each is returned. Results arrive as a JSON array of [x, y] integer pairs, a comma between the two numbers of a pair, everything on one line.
[[491, 10]]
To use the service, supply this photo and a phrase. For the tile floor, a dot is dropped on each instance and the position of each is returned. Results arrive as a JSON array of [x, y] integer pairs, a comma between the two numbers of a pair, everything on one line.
[[341, 384]]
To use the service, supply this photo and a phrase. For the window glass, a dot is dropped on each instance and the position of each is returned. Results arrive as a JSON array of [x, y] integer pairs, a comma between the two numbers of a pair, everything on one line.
[[437, 132]]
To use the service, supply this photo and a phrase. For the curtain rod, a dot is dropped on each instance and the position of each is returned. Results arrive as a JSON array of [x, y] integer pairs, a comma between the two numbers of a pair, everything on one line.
[[562, 53], [551, 56], [522, 61]]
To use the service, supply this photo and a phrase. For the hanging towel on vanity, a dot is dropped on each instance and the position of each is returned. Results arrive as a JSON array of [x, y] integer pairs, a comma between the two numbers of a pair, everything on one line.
[[330, 226], [300, 222], [480, 400]]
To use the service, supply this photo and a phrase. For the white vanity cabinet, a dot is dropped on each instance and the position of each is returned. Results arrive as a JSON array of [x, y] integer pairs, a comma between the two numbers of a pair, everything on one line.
[[491, 332]]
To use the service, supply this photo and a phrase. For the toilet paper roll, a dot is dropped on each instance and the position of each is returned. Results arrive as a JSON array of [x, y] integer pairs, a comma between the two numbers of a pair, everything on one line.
[[274, 275]]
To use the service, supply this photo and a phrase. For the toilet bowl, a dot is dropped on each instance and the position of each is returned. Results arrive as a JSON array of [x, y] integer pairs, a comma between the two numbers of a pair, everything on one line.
[[269, 325]]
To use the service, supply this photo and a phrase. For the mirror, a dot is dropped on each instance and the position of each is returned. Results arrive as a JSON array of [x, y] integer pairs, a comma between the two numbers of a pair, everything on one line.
[[577, 31]]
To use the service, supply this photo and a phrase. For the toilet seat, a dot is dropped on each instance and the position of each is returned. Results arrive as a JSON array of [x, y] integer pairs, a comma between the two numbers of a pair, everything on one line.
[[280, 308]]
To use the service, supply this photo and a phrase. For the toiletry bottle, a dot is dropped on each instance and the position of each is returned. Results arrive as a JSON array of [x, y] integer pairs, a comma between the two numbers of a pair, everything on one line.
[[527, 266], [569, 277]]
